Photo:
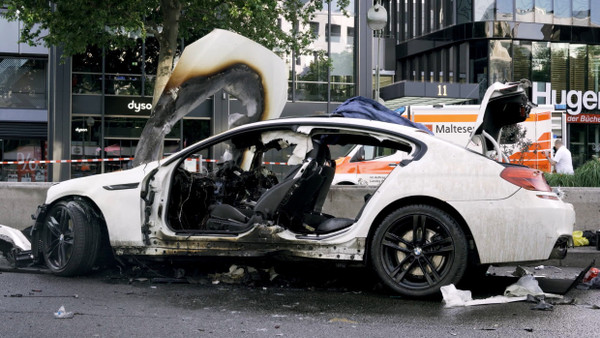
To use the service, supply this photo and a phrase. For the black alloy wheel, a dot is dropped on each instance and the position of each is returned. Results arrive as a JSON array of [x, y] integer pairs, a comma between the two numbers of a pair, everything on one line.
[[71, 238], [418, 249]]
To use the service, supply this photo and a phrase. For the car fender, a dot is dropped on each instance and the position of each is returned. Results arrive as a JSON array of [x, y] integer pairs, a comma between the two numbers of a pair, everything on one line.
[[117, 196]]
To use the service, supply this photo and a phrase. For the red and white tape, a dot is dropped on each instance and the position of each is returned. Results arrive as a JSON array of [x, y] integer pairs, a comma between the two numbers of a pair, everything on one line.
[[89, 160], [93, 160]]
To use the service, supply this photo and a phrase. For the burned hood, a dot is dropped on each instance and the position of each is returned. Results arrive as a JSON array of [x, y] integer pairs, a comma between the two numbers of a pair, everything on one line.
[[256, 75], [221, 60], [503, 104]]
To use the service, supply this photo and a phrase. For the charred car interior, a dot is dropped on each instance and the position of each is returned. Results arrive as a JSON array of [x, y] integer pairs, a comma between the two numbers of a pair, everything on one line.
[[232, 194]]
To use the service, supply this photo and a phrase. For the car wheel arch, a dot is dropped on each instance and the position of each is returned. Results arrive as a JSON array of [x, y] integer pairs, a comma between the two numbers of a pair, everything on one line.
[[105, 239], [473, 253]]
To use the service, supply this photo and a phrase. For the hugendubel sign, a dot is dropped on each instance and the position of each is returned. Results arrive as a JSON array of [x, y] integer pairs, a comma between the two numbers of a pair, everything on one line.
[[584, 118], [574, 100]]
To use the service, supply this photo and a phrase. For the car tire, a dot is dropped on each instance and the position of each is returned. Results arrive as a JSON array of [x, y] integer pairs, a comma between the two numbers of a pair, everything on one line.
[[418, 249], [70, 238]]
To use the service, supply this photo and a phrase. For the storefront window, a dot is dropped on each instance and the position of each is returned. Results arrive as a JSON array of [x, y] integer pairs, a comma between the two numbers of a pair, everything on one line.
[[584, 142], [595, 13], [562, 12], [463, 11], [85, 145], [128, 71], [311, 82], [577, 67], [500, 61], [23, 83], [524, 10], [593, 68], [504, 10], [23, 150], [559, 69], [88, 62], [124, 85], [479, 54], [540, 62], [543, 11], [87, 83], [463, 54], [195, 130], [125, 60], [308, 73], [521, 60], [121, 139], [484, 10], [447, 19], [581, 12]]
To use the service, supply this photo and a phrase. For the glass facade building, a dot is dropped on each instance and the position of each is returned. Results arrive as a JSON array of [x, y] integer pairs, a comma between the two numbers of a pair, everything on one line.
[[553, 43], [111, 95], [23, 106], [93, 106]]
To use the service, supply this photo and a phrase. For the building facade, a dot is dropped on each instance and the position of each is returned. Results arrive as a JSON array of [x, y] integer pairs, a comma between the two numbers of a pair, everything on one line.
[[93, 106], [24, 93], [553, 43]]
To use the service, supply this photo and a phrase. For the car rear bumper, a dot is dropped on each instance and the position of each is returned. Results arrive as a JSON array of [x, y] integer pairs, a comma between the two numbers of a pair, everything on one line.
[[525, 227]]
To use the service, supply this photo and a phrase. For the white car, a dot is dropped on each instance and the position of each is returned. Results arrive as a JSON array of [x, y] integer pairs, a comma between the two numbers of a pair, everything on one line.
[[440, 208]]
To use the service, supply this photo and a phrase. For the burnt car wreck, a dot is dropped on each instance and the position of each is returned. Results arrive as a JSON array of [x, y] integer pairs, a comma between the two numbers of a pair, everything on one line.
[[259, 189]]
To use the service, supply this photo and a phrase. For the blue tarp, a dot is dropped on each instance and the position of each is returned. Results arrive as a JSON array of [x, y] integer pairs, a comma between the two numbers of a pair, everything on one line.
[[364, 108]]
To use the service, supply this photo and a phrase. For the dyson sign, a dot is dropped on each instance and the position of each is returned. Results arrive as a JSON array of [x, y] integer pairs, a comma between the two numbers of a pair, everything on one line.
[[575, 100], [137, 106]]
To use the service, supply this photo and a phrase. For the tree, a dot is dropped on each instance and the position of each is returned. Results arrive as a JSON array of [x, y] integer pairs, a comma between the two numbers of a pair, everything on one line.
[[76, 24]]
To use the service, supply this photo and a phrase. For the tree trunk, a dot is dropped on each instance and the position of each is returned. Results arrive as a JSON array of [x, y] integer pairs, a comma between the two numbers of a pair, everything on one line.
[[168, 44], [149, 148]]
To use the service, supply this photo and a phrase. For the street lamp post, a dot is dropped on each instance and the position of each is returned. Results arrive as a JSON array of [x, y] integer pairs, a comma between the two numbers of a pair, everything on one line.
[[376, 20]]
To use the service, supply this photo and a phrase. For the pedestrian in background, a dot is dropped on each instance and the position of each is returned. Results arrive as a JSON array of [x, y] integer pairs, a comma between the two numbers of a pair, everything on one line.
[[562, 161]]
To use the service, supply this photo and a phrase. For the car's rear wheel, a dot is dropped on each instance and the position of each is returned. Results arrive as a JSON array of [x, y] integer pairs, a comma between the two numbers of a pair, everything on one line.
[[70, 238], [418, 249]]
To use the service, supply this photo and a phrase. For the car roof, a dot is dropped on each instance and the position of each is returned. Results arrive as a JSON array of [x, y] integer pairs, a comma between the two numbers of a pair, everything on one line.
[[324, 121]]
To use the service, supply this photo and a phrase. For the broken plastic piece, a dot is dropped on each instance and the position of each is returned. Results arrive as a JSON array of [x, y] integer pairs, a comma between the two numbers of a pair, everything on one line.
[[520, 272], [526, 285], [453, 297], [543, 306], [63, 314]]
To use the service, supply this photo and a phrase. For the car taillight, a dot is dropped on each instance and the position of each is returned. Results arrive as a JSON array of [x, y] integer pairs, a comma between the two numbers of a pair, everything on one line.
[[526, 178]]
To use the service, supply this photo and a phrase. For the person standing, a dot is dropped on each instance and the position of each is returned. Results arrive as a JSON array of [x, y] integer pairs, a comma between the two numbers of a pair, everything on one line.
[[562, 161]]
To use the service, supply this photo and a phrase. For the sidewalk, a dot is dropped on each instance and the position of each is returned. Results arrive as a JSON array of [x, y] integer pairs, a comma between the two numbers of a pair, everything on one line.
[[579, 257]]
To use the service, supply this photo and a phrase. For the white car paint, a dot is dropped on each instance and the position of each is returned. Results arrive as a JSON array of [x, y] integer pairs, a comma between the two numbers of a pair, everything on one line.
[[503, 218]]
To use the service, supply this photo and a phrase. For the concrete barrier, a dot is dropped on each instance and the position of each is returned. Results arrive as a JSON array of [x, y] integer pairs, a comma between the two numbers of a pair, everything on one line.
[[586, 202], [19, 200]]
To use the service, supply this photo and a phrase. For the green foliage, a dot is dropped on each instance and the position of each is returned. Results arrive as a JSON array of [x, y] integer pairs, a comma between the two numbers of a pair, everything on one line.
[[77, 24], [588, 175]]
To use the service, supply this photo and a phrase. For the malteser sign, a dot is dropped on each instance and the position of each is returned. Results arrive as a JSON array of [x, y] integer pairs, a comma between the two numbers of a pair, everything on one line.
[[575, 100]]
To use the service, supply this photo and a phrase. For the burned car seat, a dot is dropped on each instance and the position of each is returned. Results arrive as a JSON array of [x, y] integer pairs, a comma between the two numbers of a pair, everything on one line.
[[295, 202], [225, 217]]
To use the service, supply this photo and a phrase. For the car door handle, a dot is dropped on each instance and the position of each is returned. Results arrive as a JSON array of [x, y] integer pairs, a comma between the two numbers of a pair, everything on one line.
[[394, 164]]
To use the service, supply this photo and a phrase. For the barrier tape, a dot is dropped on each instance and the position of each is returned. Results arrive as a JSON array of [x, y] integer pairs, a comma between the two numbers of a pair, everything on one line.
[[92, 160], [69, 161]]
